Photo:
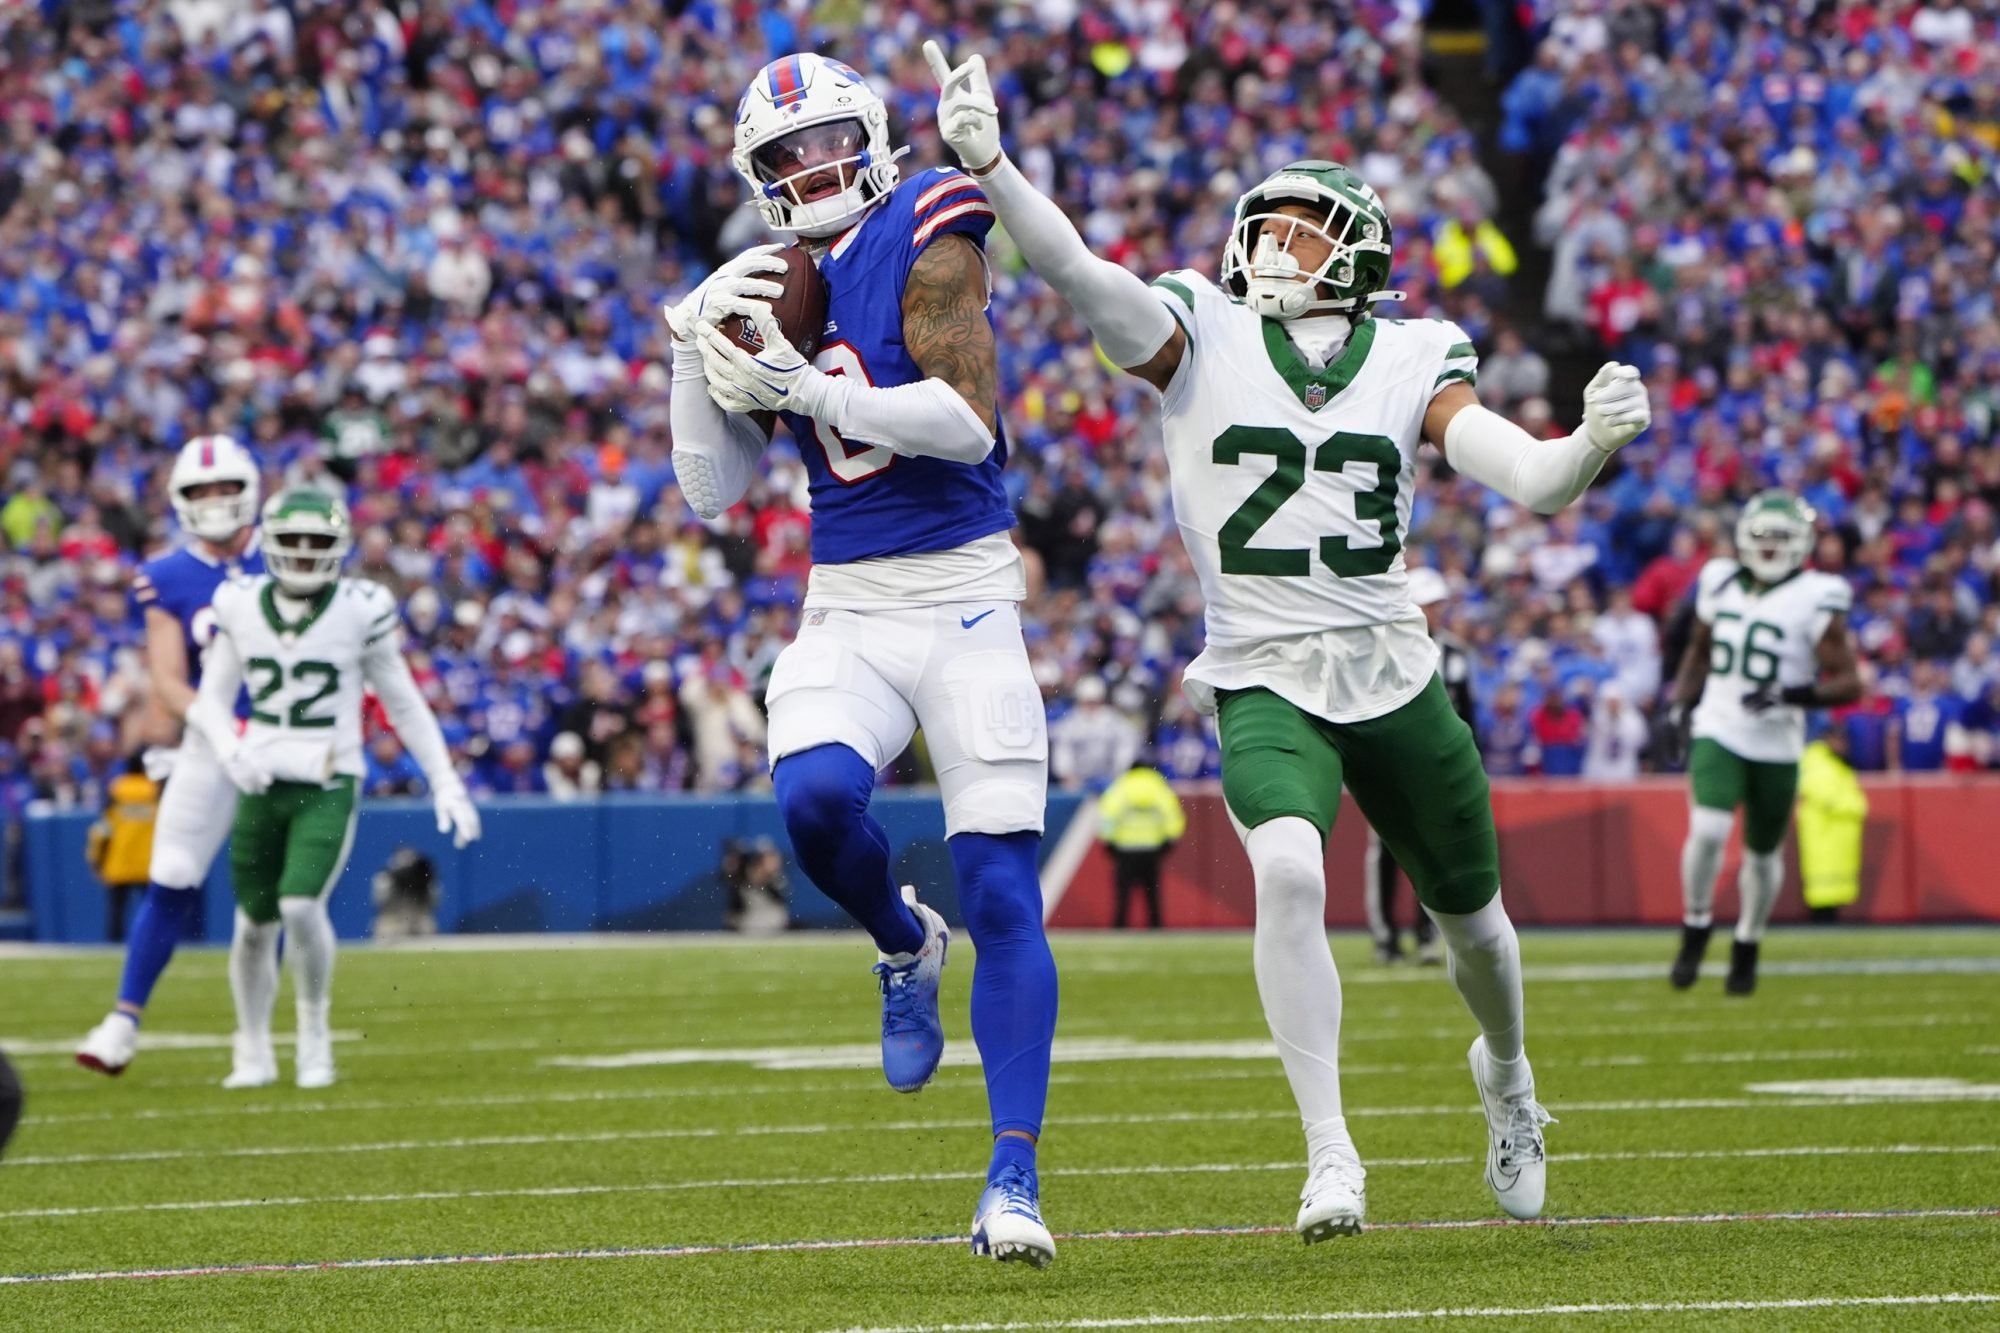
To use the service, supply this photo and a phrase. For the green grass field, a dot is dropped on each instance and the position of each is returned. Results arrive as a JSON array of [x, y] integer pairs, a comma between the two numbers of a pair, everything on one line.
[[691, 1134]]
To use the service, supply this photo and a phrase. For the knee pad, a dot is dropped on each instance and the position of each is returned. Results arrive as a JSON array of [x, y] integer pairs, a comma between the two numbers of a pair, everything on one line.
[[822, 791], [1291, 883], [177, 868], [999, 883], [1010, 798], [1708, 825], [295, 910]]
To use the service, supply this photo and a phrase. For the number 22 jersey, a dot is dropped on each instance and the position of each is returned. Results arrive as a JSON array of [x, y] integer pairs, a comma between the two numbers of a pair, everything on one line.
[[1292, 486]]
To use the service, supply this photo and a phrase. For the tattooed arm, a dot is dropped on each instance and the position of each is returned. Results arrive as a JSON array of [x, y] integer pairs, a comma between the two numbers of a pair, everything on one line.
[[944, 322]]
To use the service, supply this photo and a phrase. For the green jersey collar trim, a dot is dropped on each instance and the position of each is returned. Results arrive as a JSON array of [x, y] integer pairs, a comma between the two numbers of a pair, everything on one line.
[[1750, 583], [267, 602], [1317, 388]]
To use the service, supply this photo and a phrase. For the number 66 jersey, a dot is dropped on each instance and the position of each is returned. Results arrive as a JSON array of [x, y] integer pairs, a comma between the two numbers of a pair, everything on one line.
[[1292, 486]]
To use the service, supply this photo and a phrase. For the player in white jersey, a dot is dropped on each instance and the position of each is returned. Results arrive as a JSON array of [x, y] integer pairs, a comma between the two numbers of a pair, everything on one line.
[[1770, 641], [305, 641], [1292, 422]]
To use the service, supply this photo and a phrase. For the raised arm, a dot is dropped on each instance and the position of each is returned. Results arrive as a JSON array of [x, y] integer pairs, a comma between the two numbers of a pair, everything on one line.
[[1544, 475], [1130, 324]]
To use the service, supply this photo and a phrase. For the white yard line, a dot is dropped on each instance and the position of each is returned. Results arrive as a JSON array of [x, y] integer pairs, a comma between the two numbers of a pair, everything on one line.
[[1922, 1097], [901, 1178], [1453, 1312], [891, 1242]]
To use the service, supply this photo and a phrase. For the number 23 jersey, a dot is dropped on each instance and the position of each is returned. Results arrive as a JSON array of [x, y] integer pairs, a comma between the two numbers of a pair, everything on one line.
[[305, 676], [1292, 486], [1758, 636]]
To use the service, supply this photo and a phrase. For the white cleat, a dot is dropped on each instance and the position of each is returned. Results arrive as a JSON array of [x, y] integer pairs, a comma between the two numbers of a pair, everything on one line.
[[1516, 1162], [110, 1045], [315, 1056], [1008, 1226], [1335, 1197], [254, 1064]]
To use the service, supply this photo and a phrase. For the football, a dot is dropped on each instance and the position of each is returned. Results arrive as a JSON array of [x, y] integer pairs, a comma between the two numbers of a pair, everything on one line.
[[801, 311]]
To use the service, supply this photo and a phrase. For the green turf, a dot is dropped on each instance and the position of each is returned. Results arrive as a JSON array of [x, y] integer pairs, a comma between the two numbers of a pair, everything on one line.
[[452, 1133]]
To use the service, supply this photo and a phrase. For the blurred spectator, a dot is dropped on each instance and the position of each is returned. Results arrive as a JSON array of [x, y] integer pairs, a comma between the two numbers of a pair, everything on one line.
[[1560, 735], [120, 844], [569, 775], [1618, 732], [1093, 743]]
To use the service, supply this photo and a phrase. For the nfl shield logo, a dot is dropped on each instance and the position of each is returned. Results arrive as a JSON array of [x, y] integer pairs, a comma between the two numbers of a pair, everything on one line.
[[1316, 397], [815, 617]]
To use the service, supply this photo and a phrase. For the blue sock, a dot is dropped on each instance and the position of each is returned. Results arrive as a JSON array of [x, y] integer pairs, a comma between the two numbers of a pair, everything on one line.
[[823, 794], [1011, 1150], [164, 919], [1014, 979]]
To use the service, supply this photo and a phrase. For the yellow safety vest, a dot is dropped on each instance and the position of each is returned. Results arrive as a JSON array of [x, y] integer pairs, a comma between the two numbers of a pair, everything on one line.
[[1454, 250], [121, 842], [1832, 812], [1140, 813]]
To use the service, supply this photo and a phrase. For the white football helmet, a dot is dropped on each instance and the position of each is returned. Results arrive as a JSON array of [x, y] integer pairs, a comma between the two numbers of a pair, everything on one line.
[[307, 535], [207, 460], [1774, 536], [801, 115]]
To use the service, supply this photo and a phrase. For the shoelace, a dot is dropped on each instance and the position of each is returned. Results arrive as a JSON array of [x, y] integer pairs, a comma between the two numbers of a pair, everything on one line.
[[1342, 1165], [904, 1012], [1017, 1188], [1524, 1133]]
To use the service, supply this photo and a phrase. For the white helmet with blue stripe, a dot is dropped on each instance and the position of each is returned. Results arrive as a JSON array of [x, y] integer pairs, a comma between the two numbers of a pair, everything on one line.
[[812, 139], [225, 477]]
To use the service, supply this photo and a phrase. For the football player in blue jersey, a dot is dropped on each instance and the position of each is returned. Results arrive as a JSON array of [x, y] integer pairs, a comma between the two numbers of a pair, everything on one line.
[[213, 488], [911, 612]]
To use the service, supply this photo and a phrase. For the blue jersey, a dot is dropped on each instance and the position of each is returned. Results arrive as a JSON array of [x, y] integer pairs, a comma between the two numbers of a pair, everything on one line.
[[183, 583], [868, 502]]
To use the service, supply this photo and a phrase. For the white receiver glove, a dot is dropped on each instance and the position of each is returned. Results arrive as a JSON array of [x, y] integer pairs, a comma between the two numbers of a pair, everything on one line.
[[968, 118], [456, 814], [735, 279], [1616, 407], [160, 761], [778, 379], [243, 769]]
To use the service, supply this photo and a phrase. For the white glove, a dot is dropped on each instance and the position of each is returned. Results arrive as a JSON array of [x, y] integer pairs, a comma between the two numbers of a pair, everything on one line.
[[456, 813], [1616, 407], [250, 776], [967, 116], [159, 761], [778, 379], [736, 279]]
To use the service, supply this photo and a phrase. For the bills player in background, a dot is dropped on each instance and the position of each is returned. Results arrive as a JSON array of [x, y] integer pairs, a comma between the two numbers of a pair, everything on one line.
[[911, 613], [213, 489]]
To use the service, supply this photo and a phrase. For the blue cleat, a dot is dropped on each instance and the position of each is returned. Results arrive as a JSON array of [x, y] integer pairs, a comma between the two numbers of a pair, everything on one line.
[[1008, 1223], [912, 1036]]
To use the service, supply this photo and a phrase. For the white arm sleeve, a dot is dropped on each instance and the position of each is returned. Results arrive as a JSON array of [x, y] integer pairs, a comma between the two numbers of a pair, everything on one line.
[[1128, 320], [1544, 475], [414, 724], [926, 419], [213, 712], [715, 452]]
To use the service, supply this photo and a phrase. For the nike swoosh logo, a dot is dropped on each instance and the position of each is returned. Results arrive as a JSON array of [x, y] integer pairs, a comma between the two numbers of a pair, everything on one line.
[[968, 624]]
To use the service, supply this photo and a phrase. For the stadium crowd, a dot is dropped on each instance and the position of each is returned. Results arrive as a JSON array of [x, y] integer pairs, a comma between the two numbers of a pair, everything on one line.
[[416, 253]]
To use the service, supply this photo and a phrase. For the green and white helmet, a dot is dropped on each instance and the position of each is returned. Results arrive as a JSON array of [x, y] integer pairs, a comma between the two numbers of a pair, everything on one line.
[[307, 534], [1774, 535], [1356, 227]]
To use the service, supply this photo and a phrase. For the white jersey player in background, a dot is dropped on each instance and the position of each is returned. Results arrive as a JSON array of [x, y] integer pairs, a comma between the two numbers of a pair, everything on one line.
[[1770, 641], [1292, 423], [306, 642]]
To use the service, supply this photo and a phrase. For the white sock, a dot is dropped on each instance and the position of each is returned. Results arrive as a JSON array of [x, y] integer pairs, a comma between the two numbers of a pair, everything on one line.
[[253, 974], [1757, 885], [1701, 862], [1295, 974], [1483, 958], [310, 932]]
